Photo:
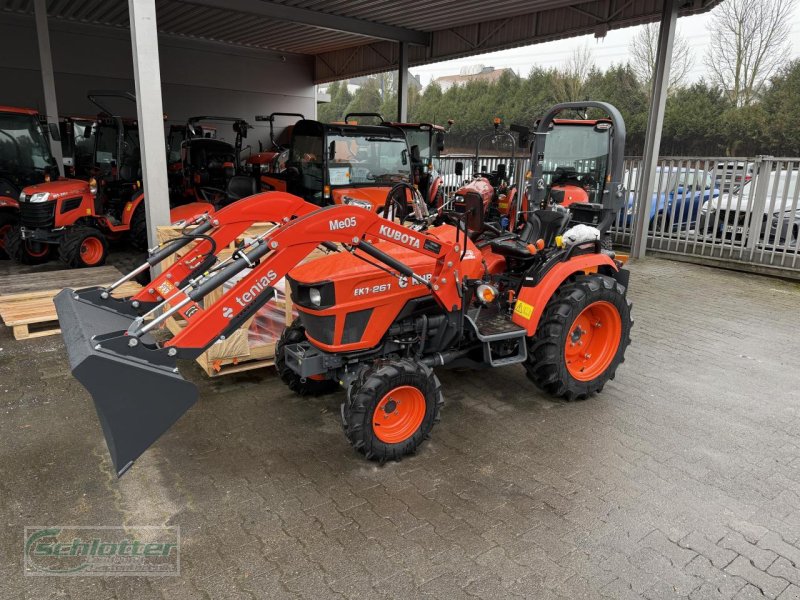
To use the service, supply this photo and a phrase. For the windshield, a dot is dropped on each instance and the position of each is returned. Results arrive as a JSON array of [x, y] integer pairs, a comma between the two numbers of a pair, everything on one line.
[[422, 139], [174, 141], [576, 154], [106, 148], [364, 160], [22, 144]]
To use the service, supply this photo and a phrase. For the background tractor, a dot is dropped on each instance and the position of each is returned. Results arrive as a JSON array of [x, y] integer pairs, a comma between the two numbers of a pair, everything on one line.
[[390, 303], [209, 169], [78, 218], [426, 142], [346, 164], [25, 159], [269, 165]]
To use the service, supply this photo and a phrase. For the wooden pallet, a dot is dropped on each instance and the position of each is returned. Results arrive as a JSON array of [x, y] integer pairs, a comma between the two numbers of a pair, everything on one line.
[[33, 314]]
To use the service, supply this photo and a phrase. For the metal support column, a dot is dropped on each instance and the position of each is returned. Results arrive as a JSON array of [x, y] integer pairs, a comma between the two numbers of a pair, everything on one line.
[[402, 84], [150, 111], [655, 123], [48, 81]]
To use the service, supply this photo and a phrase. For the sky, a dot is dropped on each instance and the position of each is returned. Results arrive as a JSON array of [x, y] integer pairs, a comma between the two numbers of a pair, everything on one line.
[[607, 51]]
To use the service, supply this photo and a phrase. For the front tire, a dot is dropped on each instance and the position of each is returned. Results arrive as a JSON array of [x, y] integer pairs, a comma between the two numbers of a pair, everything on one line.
[[25, 252], [83, 246], [391, 408], [7, 222], [581, 338], [295, 334]]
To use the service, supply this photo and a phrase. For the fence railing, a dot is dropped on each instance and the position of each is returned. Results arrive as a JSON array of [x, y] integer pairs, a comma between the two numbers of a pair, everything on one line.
[[740, 210]]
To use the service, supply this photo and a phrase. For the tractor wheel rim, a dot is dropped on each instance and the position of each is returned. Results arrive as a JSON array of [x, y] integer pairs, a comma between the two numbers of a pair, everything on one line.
[[593, 340], [3, 233], [399, 414], [36, 249], [91, 250]]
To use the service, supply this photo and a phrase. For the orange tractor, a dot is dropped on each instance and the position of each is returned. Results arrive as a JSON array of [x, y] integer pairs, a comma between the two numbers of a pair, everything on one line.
[[269, 165], [388, 305], [25, 159], [78, 218]]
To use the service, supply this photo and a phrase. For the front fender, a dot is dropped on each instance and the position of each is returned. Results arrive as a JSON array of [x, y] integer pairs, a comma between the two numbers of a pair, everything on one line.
[[532, 301], [131, 206], [9, 202]]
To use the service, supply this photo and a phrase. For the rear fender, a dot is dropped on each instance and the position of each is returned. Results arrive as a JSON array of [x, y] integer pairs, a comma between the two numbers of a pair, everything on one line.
[[531, 301], [131, 206], [435, 187]]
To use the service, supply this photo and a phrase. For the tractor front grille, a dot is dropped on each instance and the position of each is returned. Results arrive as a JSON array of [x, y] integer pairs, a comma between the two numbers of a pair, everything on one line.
[[37, 215], [318, 327]]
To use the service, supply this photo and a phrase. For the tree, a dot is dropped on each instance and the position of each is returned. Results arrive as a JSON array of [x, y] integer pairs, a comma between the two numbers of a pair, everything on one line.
[[749, 42], [781, 104], [340, 99], [568, 85], [643, 50], [366, 99]]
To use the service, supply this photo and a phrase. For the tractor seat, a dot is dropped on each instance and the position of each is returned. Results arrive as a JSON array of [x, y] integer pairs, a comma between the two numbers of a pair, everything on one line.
[[241, 186], [541, 224]]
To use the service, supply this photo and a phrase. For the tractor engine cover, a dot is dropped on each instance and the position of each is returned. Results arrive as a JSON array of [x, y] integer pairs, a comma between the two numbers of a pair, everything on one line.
[[347, 304]]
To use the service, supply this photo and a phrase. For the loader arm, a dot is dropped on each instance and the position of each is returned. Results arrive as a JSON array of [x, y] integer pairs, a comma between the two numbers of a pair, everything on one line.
[[272, 257]]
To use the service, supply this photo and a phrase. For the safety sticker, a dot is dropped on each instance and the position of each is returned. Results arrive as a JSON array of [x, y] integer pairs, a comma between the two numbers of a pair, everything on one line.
[[523, 309]]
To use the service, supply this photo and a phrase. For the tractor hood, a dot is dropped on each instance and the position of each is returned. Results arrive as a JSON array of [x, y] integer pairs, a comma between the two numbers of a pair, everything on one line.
[[60, 188], [347, 304]]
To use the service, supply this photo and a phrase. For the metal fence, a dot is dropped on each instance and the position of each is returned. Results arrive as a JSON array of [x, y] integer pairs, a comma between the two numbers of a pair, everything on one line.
[[735, 211]]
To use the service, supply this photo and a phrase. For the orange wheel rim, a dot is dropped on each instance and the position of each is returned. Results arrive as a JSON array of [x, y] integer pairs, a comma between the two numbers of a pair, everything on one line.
[[399, 414], [91, 250], [37, 250], [593, 340]]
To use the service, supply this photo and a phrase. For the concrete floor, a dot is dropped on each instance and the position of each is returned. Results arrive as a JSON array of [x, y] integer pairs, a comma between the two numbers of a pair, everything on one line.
[[682, 479]]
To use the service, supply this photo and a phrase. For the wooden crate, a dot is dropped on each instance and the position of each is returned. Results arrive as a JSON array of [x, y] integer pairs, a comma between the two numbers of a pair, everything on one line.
[[235, 354], [33, 314]]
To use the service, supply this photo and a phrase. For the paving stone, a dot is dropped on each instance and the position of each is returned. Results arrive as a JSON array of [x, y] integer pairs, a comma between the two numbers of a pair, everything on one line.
[[768, 585]]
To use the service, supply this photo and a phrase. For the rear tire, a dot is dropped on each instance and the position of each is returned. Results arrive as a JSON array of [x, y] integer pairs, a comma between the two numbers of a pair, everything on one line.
[[24, 252], [294, 334], [606, 242], [581, 338], [391, 408], [83, 246], [138, 229]]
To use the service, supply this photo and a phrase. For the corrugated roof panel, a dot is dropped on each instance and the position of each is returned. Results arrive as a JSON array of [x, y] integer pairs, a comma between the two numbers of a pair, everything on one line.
[[458, 28]]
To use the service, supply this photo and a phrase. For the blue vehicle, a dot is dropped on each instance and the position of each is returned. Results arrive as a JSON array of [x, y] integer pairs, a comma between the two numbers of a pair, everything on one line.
[[682, 192]]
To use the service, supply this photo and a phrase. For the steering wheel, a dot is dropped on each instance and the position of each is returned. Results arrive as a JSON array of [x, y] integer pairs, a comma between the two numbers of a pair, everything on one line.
[[396, 205]]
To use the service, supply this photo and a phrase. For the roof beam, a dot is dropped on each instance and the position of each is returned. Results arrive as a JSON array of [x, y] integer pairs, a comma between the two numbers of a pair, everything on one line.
[[281, 12]]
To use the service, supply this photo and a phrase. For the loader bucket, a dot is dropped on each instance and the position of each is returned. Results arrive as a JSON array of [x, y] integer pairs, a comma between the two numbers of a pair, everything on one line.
[[137, 391]]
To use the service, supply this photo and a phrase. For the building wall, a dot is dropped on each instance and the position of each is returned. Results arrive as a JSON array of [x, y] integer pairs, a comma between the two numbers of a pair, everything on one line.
[[197, 77]]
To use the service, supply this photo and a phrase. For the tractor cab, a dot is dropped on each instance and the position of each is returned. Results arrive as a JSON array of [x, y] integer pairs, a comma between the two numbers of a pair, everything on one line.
[[270, 165], [346, 164], [209, 169], [578, 163], [77, 145]]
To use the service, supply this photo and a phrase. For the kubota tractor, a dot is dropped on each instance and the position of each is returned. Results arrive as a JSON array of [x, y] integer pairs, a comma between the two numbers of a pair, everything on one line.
[[210, 169], [269, 165], [425, 144], [387, 306], [78, 217], [25, 159], [347, 164]]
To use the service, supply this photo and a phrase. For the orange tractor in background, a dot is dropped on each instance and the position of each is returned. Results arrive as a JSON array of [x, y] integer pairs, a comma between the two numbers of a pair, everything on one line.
[[78, 218], [25, 159], [270, 165]]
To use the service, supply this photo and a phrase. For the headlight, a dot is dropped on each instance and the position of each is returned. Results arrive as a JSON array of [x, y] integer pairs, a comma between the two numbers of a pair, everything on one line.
[[314, 296], [93, 186], [356, 202], [40, 197], [22, 197]]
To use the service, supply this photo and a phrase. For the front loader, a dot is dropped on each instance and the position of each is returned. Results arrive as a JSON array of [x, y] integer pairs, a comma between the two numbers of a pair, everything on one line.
[[391, 302]]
